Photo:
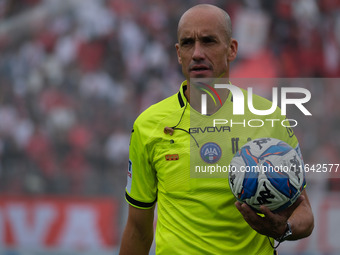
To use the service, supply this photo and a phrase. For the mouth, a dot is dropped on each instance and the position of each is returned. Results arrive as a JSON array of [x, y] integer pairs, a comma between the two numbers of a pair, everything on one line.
[[198, 70]]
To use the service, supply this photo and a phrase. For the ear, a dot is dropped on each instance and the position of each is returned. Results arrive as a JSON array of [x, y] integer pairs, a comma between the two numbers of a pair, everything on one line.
[[233, 46], [178, 53]]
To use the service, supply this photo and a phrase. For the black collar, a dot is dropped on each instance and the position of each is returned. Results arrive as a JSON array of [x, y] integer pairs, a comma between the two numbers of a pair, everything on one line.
[[180, 99]]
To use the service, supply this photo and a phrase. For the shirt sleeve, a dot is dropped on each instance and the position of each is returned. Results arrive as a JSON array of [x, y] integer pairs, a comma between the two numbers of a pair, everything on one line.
[[141, 188]]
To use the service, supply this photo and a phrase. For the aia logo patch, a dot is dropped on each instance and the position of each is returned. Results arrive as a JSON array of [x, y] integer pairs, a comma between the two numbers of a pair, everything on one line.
[[211, 153], [171, 157]]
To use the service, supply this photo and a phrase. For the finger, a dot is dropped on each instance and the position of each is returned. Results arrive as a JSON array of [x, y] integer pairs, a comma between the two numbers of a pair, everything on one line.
[[267, 213], [238, 205], [273, 218], [246, 208], [242, 207], [249, 214]]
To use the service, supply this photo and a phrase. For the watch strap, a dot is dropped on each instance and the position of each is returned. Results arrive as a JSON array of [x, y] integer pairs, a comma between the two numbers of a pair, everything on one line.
[[288, 232]]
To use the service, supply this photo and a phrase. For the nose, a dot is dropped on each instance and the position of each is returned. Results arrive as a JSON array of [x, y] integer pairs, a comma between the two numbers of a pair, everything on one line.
[[198, 53]]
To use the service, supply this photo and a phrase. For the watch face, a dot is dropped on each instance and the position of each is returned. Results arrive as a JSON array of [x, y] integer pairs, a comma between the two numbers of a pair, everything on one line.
[[288, 232]]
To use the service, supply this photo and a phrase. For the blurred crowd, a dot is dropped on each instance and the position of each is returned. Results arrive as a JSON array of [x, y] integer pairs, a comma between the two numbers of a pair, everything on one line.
[[72, 81]]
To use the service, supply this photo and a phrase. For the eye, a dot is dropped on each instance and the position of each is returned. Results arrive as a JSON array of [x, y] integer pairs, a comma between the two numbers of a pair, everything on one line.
[[208, 39], [186, 41]]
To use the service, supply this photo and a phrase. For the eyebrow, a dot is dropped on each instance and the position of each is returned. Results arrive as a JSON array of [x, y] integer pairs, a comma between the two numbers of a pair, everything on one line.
[[186, 39], [204, 37], [211, 37]]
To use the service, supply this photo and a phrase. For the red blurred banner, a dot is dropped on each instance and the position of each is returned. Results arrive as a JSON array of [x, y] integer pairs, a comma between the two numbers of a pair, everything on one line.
[[58, 222]]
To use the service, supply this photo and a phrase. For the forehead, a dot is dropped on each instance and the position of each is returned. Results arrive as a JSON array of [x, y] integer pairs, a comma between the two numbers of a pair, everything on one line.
[[202, 22]]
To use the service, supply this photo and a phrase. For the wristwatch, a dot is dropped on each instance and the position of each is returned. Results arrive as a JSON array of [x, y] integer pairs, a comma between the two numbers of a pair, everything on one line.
[[286, 234]]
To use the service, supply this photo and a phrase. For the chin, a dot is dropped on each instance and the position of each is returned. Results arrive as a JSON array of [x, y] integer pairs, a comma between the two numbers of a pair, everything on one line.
[[202, 75]]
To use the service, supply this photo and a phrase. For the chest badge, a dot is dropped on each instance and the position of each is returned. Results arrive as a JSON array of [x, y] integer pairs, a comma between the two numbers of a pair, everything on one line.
[[171, 157], [211, 153]]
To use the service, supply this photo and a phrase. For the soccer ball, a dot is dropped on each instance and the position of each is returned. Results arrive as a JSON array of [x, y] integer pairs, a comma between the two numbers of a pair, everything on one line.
[[267, 171]]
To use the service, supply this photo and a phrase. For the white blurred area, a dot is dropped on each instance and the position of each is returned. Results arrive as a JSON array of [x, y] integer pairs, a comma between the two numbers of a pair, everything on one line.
[[74, 75]]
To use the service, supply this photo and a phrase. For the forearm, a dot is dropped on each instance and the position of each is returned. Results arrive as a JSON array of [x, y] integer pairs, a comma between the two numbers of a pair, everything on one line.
[[138, 233], [301, 221], [135, 241]]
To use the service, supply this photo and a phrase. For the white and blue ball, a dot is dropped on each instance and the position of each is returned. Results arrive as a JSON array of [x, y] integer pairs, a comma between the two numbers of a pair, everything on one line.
[[267, 171]]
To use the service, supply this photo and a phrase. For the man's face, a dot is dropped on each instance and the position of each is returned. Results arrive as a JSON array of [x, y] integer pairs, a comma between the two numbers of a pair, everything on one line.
[[203, 49]]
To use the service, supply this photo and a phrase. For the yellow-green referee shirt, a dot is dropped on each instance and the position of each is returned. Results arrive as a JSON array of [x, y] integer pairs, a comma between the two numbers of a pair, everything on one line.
[[196, 213]]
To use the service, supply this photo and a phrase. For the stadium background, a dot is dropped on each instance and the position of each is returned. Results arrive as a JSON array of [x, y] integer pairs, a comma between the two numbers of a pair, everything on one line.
[[74, 74]]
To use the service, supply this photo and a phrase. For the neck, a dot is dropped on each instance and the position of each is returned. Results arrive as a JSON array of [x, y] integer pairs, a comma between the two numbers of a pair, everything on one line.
[[224, 75], [194, 97]]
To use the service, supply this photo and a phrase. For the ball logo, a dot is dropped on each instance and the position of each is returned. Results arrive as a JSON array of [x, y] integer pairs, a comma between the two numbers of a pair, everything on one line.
[[211, 153]]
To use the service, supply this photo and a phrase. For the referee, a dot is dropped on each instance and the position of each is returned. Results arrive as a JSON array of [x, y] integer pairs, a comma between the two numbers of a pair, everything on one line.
[[200, 215]]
